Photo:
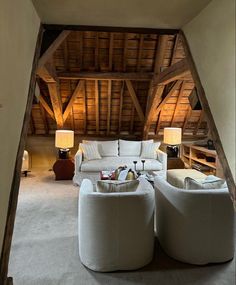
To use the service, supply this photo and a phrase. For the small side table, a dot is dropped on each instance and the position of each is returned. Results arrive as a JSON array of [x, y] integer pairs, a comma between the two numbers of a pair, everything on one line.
[[64, 169], [175, 163]]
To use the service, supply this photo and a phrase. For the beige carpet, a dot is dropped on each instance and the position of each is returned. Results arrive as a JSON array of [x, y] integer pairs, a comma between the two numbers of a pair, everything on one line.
[[45, 247]]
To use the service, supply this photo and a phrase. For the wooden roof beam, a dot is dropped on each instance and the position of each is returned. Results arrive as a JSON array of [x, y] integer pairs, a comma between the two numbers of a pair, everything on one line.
[[174, 72], [135, 100], [153, 105], [46, 106], [138, 76], [157, 105], [79, 88], [52, 48], [55, 97], [181, 92], [159, 58]]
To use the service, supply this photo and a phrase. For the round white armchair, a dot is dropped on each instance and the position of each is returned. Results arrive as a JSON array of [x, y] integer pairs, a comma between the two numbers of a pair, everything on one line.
[[194, 226], [116, 230]]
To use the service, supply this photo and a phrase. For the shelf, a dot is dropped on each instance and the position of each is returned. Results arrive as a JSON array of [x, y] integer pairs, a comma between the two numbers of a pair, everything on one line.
[[203, 161], [190, 154]]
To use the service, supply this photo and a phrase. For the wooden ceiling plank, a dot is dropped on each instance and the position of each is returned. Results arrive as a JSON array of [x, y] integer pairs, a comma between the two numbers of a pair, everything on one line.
[[111, 51], [52, 48], [56, 103], [138, 76], [135, 100], [81, 50], [181, 92], [174, 49], [174, 72], [97, 105], [84, 109], [96, 52], [46, 106], [140, 50], [125, 51], [44, 118], [121, 106], [78, 89], [109, 106], [131, 127], [65, 53]]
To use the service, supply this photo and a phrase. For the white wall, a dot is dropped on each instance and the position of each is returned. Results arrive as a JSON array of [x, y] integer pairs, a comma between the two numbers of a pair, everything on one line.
[[19, 25], [211, 36]]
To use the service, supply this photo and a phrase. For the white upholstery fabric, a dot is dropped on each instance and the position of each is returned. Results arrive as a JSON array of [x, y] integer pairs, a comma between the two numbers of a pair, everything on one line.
[[194, 226], [111, 163], [149, 150], [116, 229], [129, 148], [176, 176], [108, 148], [25, 161], [90, 151], [110, 186], [190, 183], [85, 169]]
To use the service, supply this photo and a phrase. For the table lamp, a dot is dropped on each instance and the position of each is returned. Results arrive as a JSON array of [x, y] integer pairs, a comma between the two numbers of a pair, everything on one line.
[[172, 137], [64, 140]]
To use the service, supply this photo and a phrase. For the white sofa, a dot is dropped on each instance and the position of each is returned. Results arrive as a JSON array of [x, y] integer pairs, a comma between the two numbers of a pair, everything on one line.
[[114, 154], [194, 226], [116, 230]]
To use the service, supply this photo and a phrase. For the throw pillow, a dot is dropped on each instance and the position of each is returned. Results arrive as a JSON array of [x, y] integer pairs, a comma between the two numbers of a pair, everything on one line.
[[90, 151], [110, 186], [211, 182], [149, 149], [129, 148], [108, 148]]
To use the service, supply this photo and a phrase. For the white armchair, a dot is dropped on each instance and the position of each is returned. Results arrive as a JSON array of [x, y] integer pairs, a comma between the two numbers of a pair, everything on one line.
[[194, 226], [116, 230]]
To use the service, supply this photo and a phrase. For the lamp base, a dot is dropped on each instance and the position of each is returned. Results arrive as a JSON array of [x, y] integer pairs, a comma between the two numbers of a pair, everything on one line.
[[63, 153], [172, 150]]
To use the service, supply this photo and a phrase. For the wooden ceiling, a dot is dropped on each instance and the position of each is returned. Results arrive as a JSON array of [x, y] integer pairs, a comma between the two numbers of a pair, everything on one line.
[[114, 84]]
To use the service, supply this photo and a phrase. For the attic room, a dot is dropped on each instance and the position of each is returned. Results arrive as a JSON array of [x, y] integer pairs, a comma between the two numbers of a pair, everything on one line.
[[134, 97]]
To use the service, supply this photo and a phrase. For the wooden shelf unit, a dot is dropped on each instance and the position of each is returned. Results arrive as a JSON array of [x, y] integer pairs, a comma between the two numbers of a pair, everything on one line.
[[194, 155]]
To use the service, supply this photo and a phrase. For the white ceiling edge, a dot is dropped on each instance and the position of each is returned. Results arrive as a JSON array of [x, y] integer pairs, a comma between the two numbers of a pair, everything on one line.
[[162, 14]]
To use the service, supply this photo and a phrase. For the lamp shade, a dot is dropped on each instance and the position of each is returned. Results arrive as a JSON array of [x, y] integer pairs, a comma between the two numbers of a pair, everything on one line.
[[172, 136], [64, 139]]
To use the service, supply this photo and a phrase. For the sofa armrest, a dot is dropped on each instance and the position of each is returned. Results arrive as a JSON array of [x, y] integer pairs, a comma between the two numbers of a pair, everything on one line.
[[162, 157], [78, 160]]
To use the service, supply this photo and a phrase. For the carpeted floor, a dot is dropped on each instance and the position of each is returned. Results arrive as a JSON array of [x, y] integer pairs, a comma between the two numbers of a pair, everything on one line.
[[45, 247]]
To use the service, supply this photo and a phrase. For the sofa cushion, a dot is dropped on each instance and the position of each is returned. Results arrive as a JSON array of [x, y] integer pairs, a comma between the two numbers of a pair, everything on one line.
[[129, 148], [90, 151], [105, 148], [149, 149], [110, 186], [108, 148], [111, 163]]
